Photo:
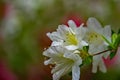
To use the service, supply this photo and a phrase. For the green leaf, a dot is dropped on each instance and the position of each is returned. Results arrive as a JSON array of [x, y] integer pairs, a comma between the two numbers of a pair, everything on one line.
[[119, 31], [117, 41], [112, 31], [112, 54], [86, 48], [81, 65], [87, 60], [70, 73], [114, 37], [106, 40]]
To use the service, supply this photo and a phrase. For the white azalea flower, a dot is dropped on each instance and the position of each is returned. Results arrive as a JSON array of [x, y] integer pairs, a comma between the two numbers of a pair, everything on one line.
[[65, 61], [96, 42], [70, 37]]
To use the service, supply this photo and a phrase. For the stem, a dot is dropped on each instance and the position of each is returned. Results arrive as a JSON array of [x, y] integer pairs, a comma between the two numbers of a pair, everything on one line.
[[103, 52]]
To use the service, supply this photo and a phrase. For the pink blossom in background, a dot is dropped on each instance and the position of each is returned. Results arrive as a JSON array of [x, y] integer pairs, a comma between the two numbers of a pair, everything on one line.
[[39, 72], [113, 62], [75, 17], [4, 10], [5, 72]]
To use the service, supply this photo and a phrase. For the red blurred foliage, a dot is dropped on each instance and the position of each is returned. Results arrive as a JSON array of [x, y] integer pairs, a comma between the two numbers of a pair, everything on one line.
[[5, 72], [114, 61], [75, 17], [39, 72], [2, 10], [43, 40]]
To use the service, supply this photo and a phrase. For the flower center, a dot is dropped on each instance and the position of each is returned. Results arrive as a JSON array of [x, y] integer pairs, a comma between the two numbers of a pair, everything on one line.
[[83, 54], [94, 37], [71, 38]]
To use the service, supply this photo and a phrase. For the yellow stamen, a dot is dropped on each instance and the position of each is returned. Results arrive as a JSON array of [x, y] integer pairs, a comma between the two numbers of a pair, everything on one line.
[[94, 37], [71, 39]]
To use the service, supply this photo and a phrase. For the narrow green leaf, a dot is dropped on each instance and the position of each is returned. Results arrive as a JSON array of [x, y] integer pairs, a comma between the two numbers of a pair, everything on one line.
[[87, 60], [112, 54], [119, 31], [70, 73], [112, 31], [81, 65], [106, 40], [86, 48], [114, 37], [117, 41]]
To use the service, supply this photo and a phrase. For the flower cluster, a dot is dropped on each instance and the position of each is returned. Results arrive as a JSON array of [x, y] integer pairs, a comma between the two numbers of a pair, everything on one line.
[[74, 46]]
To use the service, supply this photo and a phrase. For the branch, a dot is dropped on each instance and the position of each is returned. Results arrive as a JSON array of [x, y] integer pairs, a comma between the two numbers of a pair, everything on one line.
[[103, 52]]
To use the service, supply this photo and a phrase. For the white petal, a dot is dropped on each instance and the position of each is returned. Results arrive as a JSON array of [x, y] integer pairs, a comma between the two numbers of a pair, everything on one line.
[[76, 58], [65, 69], [82, 43], [95, 63], [72, 25], [57, 75], [66, 66], [55, 43], [106, 54], [81, 32], [62, 30], [93, 23], [49, 35], [92, 49], [71, 47], [102, 66], [75, 72], [45, 53], [49, 52], [67, 54], [107, 32], [54, 36], [49, 61]]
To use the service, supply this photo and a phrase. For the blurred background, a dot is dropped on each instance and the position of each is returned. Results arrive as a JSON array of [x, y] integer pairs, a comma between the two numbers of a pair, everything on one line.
[[23, 28]]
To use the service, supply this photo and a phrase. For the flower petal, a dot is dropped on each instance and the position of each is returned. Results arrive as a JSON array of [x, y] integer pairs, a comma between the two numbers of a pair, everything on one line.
[[72, 25], [49, 61], [75, 72], [96, 60], [93, 23], [82, 43], [81, 32], [55, 43], [102, 66], [71, 47], [107, 32], [61, 71]]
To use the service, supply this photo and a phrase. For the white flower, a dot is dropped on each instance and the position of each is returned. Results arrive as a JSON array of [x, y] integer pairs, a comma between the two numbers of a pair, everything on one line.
[[65, 61], [96, 42], [70, 37]]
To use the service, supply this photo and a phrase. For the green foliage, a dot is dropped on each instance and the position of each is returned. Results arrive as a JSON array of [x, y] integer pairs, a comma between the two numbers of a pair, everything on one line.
[[107, 41], [119, 31], [114, 44], [86, 48], [112, 54], [87, 60], [70, 73], [114, 37], [115, 40]]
